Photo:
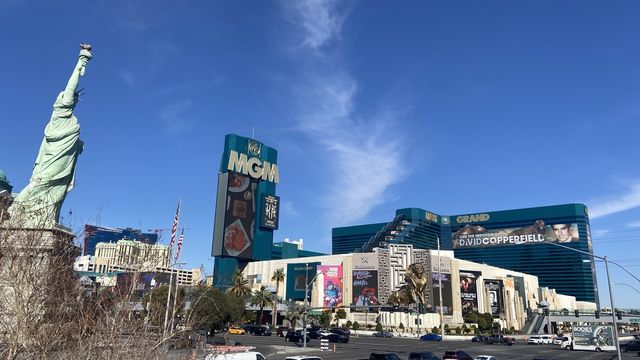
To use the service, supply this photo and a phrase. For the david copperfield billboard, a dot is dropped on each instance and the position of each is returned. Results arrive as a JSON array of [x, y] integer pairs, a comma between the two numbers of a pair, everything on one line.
[[246, 205], [475, 236]]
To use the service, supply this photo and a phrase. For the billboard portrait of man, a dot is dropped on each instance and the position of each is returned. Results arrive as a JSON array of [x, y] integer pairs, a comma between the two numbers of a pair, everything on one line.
[[563, 233]]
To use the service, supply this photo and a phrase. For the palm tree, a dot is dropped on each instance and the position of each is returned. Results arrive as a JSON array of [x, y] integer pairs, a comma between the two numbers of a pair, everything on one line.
[[294, 312], [262, 298], [278, 277], [239, 285]]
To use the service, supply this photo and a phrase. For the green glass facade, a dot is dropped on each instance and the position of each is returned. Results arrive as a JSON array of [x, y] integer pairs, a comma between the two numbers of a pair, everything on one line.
[[569, 272]]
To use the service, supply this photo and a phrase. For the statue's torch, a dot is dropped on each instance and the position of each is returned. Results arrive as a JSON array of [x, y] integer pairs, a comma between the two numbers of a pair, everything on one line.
[[85, 50]]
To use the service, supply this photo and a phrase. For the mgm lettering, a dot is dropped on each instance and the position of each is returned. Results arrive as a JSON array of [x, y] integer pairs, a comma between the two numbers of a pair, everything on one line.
[[253, 167]]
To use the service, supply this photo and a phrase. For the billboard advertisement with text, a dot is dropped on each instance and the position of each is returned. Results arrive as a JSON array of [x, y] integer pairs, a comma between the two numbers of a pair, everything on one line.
[[475, 236], [469, 290], [365, 288], [332, 285]]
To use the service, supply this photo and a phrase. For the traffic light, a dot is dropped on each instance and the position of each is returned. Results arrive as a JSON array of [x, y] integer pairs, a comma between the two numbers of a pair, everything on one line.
[[619, 316], [421, 309], [577, 313], [597, 313]]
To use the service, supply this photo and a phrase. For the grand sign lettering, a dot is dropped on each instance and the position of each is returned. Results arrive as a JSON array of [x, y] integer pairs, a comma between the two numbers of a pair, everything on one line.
[[253, 167]]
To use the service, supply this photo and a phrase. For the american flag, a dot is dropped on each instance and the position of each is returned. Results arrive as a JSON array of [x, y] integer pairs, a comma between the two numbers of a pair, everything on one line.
[[180, 244], [174, 227]]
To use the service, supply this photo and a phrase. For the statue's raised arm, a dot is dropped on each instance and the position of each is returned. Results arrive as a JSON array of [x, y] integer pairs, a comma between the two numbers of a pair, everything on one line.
[[40, 202]]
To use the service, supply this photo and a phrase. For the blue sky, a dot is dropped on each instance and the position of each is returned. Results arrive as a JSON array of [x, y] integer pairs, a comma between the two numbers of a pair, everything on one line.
[[454, 107]]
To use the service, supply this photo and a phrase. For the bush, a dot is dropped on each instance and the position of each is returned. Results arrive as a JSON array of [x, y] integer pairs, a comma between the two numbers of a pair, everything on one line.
[[378, 327], [458, 330], [349, 324], [447, 331], [369, 326], [435, 330], [356, 326], [401, 327]]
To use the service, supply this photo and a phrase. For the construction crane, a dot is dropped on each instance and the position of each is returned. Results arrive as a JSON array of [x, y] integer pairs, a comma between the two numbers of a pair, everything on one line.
[[159, 231]]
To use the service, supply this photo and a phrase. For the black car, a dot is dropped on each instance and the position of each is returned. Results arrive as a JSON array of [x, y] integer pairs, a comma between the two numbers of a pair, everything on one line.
[[339, 330], [383, 356], [251, 328], [334, 337], [314, 333], [262, 331], [500, 339], [479, 338], [633, 345], [456, 354], [295, 336], [425, 355], [384, 334]]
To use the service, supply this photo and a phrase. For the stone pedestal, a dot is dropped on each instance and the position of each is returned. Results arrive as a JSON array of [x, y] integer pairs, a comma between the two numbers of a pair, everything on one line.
[[36, 272]]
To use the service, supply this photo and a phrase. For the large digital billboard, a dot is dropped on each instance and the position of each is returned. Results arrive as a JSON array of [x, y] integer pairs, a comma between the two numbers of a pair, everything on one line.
[[297, 278], [469, 290], [365, 289], [475, 236], [493, 291], [332, 275]]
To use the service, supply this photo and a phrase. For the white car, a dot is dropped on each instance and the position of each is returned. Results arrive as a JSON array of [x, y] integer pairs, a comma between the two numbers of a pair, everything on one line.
[[247, 355], [485, 357], [302, 357], [534, 340]]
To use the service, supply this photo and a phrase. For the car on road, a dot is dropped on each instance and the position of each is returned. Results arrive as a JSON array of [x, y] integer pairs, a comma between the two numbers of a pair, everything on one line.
[[242, 355], [302, 357], [633, 345], [383, 356], [384, 334], [339, 330], [479, 338], [315, 333], [456, 354], [485, 357], [251, 328], [281, 330], [500, 339], [262, 331], [237, 330], [430, 337], [424, 355], [296, 336]]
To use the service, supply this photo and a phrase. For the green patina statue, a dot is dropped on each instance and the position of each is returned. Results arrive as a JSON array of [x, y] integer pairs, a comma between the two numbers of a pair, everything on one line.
[[39, 203]]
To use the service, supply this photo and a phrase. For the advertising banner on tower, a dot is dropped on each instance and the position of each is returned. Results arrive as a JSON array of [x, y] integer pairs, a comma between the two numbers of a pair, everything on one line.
[[365, 289], [469, 290], [476, 236], [238, 216], [493, 290], [332, 285]]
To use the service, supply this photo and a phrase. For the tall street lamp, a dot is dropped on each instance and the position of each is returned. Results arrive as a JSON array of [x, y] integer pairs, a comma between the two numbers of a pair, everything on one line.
[[625, 284], [306, 298], [613, 311]]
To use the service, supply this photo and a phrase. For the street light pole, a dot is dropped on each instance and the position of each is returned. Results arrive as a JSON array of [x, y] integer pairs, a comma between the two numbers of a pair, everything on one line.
[[306, 307], [613, 308]]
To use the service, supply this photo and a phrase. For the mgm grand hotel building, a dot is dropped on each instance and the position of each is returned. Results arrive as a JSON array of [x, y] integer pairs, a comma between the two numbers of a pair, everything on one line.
[[520, 240], [504, 263]]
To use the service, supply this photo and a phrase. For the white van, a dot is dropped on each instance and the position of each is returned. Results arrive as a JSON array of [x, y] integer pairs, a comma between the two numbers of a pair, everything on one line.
[[535, 339], [247, 355]]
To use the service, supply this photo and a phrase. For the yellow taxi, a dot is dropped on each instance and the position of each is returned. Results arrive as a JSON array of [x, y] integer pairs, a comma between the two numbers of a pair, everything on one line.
[[236, 330]]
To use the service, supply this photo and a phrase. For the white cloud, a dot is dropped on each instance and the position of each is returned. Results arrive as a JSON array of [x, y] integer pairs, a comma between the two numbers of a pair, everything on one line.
[[319, 20], [174, 119], [364, 155], [634, 224], [127, 77], [600, 233], [288, 210], [626, 201]]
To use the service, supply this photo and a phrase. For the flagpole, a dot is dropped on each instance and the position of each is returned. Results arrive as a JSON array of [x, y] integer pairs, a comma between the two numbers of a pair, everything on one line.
[[175, 294], [174, 229]]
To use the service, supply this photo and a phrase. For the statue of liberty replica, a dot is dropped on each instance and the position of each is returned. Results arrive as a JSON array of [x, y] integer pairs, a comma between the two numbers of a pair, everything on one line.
[[39, 203], [37, 281]]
